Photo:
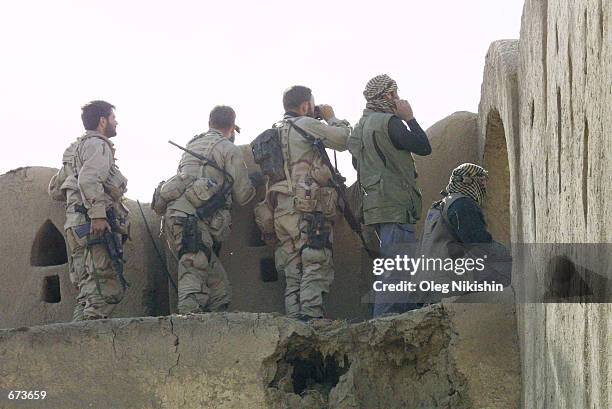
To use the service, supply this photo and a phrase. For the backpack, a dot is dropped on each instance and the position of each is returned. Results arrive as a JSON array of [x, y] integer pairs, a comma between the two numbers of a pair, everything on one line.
[[268, 154], [55, 185]]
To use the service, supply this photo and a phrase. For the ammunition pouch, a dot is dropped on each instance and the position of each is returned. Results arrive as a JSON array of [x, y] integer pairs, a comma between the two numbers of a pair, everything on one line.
[[328, 202], [321, 173], [310, 197], [191, 239], [219, 224], [116, 184], [201, 191], [264, 218], [174, 187], [306, 195], [317, 233], [55, 185], [158, 204], [268, 154]]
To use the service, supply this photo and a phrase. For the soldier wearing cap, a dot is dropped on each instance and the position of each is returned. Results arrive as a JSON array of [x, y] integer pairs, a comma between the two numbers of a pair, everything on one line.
[[196, 223]]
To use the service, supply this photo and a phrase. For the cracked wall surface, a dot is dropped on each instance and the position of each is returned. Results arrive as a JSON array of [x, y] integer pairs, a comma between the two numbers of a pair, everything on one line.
[[422, 359], [550, 100]]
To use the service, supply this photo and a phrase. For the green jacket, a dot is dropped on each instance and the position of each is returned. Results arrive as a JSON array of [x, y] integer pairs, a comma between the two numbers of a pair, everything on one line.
[[387, 175]]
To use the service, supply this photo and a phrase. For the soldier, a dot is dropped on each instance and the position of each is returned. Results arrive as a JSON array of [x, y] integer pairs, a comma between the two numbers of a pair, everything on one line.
[[302, 200], [198, 220], [92, 186], [382, 147]]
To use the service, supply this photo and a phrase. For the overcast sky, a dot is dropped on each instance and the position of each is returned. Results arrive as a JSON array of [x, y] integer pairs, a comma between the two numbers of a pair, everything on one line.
[[165, 64]]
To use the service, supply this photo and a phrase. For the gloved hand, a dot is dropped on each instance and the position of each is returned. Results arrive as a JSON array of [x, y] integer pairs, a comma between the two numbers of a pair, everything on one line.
[[257, 179]]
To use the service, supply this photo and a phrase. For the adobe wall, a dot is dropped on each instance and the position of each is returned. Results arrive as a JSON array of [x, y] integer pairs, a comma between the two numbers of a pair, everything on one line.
[[565, 66], [453, 140], [428, 358], [499, 147], [544, 124]]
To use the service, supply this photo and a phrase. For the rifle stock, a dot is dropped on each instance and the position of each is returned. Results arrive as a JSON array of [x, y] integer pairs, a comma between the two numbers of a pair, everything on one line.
[[338, 183]]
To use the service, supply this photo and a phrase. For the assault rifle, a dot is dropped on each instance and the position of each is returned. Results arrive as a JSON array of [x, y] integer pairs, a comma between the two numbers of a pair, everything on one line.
[[218, 199], [111, 240], [338, 184]]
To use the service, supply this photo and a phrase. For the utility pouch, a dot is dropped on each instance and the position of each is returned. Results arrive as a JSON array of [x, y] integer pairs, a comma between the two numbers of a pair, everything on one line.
[[327, 202], [321, 173], [219, 225], [306, 195], [316, 231], [264, 218], [158, 204], [201, 191], [55, 185], [268, 154], [191, 238], [174, 187], [116, 184], [208, 209]]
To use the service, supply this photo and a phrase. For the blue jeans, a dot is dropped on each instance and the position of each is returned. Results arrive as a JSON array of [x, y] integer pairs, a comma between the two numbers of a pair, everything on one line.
[[395, 239]]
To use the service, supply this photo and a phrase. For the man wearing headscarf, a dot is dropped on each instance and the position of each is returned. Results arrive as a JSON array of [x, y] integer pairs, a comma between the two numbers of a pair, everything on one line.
[[382, 145], [455, 228], [463, 198]]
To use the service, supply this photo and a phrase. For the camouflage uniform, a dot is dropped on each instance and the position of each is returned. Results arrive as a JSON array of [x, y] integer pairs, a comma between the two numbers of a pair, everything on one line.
[[101, 186], [202, 282], [305, 256], [64, 187]]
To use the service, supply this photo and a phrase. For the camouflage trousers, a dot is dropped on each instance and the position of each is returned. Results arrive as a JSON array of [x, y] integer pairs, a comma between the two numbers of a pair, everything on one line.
[[93, 276], [308, 271], [202, 281], [76, 268]]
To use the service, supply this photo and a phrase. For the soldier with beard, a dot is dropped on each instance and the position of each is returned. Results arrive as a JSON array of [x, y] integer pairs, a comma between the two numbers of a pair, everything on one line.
[[93, 187], [301, 200]]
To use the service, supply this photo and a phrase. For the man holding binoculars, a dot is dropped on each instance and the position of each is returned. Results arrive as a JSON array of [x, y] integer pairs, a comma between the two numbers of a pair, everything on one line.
[[302, 200]]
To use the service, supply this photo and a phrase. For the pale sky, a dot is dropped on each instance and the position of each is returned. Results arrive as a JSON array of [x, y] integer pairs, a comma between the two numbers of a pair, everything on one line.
[[165, 64]]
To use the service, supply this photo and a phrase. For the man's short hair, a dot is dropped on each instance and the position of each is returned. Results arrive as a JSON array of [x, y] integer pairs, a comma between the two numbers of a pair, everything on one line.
[[222, 117], [92, 111], [295, 96]]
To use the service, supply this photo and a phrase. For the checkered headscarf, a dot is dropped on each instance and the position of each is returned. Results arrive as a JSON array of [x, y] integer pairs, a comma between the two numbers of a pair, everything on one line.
[[375, 91], [465, 179]]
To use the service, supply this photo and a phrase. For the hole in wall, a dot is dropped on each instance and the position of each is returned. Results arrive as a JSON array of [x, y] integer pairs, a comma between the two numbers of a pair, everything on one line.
[[304, 370], [51, 289], [497, 203], [49, 247], [564, 280], [267, 270], [315, 372]]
